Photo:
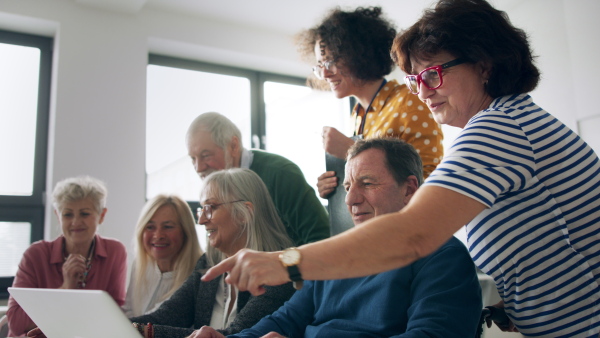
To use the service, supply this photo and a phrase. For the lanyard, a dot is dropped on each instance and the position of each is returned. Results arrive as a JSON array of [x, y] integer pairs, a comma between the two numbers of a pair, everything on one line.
[[364, 117]]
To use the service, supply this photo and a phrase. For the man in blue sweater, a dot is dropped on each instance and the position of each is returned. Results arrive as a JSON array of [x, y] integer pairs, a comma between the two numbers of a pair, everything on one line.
[[215, 143], [437, 296]]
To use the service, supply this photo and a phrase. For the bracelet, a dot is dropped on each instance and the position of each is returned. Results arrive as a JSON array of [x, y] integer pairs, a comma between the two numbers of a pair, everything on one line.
[[150, 330]]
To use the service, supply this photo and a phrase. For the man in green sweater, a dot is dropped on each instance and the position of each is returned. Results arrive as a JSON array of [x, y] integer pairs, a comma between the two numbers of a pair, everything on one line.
[[215, 143]]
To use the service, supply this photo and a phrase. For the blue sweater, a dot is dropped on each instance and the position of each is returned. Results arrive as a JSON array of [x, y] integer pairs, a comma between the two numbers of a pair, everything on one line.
[[437, 296]]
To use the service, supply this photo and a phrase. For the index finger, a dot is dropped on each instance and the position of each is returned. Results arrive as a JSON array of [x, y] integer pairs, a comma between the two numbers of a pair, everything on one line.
[[219, 269]]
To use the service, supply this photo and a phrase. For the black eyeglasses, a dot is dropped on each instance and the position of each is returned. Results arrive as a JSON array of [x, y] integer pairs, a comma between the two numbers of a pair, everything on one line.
[[431, 77], [208, 209]]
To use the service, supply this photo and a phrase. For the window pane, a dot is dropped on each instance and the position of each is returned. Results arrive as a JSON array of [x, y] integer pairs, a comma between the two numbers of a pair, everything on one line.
[[19, 67], [295, 117], [14, 240], [174, 98]]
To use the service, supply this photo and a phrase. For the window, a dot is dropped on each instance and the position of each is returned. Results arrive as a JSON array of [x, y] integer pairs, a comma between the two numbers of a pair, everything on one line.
[[295, 116], [274, 112], [175, 96], [25, 65]]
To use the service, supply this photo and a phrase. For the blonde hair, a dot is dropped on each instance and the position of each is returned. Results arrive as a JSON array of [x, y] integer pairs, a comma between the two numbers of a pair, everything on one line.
[[188, 255], [263, 228]]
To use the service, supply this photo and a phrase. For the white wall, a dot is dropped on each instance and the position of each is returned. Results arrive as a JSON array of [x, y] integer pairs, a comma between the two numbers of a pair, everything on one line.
[[565, 35], [98, 99], [548, 34]]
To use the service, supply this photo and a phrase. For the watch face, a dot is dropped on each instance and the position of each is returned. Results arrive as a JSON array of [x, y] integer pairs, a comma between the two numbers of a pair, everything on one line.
[[290, 257]]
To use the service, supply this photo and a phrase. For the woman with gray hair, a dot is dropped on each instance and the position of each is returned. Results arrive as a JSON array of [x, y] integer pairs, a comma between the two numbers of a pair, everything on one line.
[[238, 213], [78, 259]]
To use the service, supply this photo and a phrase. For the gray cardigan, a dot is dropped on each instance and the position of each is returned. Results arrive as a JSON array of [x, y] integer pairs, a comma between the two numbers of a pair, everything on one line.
[[191, 306]]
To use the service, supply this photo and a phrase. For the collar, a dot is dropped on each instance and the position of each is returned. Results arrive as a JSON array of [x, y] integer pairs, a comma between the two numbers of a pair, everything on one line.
[[157, 272], [379, 100], [247, 157]]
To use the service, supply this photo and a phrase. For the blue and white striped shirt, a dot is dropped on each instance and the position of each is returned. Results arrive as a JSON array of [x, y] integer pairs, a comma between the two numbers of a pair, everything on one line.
[[539, 238]]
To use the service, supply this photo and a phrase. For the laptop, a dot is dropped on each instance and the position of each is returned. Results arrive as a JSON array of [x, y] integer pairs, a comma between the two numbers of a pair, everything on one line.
[[62, 313]]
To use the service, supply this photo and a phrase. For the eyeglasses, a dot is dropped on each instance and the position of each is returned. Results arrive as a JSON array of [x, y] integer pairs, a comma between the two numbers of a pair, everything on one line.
[[208, 209], [431, 77], [319, 69]]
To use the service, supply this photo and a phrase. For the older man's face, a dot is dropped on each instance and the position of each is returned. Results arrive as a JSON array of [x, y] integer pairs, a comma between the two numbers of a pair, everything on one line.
[[371, 188], [206, 156]]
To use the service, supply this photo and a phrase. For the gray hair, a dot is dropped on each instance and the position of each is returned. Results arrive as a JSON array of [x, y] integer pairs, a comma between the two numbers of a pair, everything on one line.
[[263, 227], [188, 255], [78, 188], [221, 129], [402, 160]]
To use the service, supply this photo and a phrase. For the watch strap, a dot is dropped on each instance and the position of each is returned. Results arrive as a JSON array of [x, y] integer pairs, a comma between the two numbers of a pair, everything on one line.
[[295, 276], [294, 273]]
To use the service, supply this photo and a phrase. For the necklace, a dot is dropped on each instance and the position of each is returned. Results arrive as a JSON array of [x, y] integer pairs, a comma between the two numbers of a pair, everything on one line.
[[88, 264], [364, 116]]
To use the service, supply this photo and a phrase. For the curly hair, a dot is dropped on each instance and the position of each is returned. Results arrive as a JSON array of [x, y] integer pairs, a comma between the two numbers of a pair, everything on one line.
[[477, 32], [360, 40]]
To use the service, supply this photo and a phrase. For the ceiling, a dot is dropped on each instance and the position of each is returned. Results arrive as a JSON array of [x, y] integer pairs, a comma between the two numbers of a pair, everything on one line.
[[286, 16]]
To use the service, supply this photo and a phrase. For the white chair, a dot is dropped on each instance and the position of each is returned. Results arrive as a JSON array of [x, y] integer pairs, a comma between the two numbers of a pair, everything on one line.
[[3, 327]]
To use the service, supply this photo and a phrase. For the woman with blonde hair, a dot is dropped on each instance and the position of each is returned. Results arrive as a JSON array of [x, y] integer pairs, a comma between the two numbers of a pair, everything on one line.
[[166, 251]]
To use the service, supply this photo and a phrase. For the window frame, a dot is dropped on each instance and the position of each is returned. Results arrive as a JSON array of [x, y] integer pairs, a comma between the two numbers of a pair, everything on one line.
[[256, 78], [31, 208]]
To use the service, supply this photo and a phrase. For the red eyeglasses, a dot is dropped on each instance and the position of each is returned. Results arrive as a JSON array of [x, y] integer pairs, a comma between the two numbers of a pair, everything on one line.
[[431, 77]]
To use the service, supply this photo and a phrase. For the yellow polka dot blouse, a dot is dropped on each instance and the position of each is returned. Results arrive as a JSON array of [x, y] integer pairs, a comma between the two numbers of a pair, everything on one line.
[[398, 113]]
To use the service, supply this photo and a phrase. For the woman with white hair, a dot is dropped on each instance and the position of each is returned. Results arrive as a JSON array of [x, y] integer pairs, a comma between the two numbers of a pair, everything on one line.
[[237, 212], [166, 251], [79, 258]]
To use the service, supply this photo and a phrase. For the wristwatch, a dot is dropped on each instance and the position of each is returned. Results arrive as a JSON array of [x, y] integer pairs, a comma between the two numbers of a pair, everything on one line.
[[290, 258]]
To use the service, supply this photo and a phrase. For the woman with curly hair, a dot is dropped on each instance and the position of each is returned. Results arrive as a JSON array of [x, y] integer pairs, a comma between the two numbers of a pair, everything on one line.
[[352, 51]]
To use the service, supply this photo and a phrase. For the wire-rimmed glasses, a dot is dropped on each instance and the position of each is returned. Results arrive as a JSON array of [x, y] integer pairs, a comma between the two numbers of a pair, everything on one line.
[[319, 69], [208, 209]]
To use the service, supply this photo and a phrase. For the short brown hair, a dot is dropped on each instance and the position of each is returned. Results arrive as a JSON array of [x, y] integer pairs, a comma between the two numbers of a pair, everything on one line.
[[402, 160], [477, 32]]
